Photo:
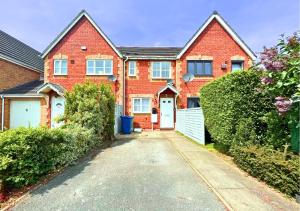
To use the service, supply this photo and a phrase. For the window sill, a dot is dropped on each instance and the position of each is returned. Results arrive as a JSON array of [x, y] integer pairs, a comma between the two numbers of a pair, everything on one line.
[[98, 74], [160, 78], [60, 74], [142, 112], [132, 76]]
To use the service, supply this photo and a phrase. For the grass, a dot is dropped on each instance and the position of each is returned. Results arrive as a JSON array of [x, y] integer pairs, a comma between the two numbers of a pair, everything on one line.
[[212, 147]]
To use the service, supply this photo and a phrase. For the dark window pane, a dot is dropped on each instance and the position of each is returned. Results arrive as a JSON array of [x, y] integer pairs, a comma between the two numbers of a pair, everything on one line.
[[191, 67], [193, 102], [208, 68], [199, 68]]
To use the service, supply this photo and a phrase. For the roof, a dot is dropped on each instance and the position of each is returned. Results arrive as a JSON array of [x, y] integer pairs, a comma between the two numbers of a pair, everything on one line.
[[19, 53], [227, 27], [46, 87], [29, 88], [83, 13], [150, 51]]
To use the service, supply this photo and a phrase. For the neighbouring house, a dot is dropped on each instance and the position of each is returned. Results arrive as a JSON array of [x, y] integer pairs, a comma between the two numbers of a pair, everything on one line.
[[143, 79], [21, 67]]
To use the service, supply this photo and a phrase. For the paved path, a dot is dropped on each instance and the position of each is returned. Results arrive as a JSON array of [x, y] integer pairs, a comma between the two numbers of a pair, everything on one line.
[[146, 173], [238, 190]]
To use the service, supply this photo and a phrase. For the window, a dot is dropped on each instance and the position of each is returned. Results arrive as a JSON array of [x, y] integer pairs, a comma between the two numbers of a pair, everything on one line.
[[161, 69], [60, 67], [193, 102], [141, 105], [237, 65], [200, 68], [99, 67], [132, 68]]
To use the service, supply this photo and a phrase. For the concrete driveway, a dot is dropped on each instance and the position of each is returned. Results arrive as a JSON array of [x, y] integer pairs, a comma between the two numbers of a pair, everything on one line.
[[145, 173]]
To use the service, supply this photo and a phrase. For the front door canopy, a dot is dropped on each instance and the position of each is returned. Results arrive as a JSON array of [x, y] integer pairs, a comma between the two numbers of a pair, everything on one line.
[[47, 87], [170, 87]]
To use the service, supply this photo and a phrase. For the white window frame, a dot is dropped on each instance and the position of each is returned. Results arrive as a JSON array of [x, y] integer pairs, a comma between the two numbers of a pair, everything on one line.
[[141, 104], [237, 61], [104, 62], [160, 70], [130, 67], [55, 72]]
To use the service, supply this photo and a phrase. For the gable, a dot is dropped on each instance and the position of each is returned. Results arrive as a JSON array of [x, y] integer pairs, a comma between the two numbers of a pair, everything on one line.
[[74, 22], [216, 18]]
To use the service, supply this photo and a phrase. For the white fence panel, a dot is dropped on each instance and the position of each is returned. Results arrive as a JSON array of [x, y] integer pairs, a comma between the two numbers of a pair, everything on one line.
[[118, 114], [190, 122]]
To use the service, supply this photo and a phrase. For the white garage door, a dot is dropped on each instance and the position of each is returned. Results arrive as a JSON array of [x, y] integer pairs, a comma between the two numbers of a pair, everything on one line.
[[25, 113]]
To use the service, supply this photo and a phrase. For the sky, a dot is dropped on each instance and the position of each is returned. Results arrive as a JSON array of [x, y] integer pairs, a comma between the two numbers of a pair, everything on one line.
[[150, 23]]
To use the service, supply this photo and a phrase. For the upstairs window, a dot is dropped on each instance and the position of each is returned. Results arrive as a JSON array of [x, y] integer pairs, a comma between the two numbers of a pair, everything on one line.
[[60, 67], [141, 105], [132, 68], [200, 68], [237, 65], [193, 102], [161, 70], [99, 67]]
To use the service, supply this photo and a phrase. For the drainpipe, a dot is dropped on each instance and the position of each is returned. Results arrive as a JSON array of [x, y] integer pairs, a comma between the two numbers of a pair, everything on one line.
[[2, 113], [124, 83]]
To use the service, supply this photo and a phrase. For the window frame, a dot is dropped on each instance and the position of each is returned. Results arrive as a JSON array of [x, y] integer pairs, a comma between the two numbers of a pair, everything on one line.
[[141, 104], [202, 62], [134, 68], [235, 62], [187, 101], [60, 67], [104, 66], [160, 69]]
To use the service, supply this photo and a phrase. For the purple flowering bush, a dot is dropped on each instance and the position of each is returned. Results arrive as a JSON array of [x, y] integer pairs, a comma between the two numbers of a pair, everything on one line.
[[280, 68]]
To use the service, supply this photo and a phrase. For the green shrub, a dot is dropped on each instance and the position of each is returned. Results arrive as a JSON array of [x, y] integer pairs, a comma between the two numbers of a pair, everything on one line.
[[26, 154], [91, 106], [245, 133], [277, 131], [269, 166], [228, 100]]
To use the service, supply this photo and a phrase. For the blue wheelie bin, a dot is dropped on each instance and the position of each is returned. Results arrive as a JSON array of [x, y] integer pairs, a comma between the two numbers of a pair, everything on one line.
[[126, 122]]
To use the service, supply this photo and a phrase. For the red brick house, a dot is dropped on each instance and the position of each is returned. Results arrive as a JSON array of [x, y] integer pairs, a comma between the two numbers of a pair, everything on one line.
[[143, 78]]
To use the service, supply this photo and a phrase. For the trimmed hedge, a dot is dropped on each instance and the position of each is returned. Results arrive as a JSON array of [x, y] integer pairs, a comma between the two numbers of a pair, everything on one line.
[[230, 101], [27, 154], [268, 165]]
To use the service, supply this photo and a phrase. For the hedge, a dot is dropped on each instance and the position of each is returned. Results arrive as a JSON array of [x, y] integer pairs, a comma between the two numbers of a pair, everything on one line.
[[27, 154], [230, 101], [268, 165]]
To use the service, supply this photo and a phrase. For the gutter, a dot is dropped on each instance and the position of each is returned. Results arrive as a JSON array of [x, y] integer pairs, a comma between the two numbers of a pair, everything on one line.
[[124, 83], [2, 113]]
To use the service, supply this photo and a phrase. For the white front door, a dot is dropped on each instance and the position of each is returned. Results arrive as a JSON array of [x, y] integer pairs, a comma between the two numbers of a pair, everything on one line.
[[57, 110], [166, 113], [25, 113]]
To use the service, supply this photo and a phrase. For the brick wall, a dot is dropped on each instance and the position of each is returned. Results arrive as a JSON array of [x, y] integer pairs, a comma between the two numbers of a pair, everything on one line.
[[142, 85], [12, 75], [83, 34], [216, 44]]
